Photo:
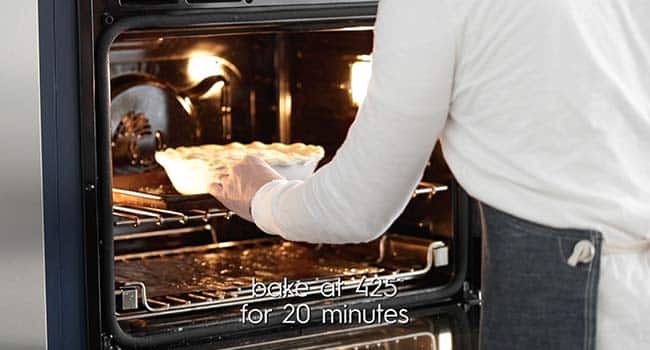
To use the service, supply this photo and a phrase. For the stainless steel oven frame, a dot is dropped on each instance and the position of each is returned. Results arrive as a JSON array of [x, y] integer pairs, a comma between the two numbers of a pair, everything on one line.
[[22, 263]]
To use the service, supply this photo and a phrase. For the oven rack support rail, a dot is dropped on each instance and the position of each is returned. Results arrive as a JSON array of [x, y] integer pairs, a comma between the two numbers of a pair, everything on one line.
[[137, 304], [135, 216]]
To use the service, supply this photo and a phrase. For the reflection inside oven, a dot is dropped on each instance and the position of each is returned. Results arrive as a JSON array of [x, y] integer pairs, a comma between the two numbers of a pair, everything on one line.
[[182, 260], [444, 331]]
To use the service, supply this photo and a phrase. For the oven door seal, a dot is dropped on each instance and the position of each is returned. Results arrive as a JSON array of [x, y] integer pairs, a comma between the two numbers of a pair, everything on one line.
[[98, 211]]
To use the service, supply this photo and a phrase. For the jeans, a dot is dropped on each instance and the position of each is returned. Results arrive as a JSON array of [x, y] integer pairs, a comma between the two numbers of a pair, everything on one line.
[[532, 297]]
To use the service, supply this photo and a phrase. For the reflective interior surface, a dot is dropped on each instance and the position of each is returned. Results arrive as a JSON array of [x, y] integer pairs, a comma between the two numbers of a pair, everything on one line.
[[443, 328]]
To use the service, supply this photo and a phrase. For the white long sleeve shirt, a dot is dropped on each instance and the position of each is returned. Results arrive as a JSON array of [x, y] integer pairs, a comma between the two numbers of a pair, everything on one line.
[[542, 108], [543, 111]]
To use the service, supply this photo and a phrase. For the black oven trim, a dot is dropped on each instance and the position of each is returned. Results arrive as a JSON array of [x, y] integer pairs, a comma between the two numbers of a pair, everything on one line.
[[135, 5], [98, 172]]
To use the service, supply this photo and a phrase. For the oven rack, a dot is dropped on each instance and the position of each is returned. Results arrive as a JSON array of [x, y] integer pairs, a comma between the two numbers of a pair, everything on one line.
[[131, 215], [135, 216], [421, 255]]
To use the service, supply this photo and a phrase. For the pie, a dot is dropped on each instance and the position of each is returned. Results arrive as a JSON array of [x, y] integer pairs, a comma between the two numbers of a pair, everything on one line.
[[192, 169]]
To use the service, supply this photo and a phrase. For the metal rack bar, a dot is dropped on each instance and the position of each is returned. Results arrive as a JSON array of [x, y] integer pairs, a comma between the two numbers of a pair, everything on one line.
[[429, 188], [130, 215], [136, 216], [161, 233]]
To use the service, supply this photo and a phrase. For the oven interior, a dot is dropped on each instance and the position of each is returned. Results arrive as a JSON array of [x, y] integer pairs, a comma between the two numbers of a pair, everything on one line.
[[185, 262]]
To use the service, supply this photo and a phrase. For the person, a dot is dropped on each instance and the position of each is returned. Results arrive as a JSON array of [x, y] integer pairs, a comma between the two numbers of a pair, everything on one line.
[[542, 108]]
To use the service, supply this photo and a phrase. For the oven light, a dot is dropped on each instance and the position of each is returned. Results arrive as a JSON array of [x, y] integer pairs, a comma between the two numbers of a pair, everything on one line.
[[200, 67], [360, 72], [445, 341]]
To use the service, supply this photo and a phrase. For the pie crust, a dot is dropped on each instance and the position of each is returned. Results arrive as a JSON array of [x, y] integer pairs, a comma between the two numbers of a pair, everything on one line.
[[192, 169]]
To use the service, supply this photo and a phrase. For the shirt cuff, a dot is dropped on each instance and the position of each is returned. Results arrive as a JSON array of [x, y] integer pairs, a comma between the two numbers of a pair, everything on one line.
[[264, 204]]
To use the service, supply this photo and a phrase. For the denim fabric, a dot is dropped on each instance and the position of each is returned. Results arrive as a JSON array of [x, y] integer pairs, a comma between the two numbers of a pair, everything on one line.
[[532, 299]]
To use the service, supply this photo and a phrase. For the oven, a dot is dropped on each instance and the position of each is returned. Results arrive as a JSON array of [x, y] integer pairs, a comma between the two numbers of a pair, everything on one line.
[[166, 270]]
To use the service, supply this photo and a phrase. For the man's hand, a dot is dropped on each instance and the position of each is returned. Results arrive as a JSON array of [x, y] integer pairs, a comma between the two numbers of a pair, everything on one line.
[[237, 187]]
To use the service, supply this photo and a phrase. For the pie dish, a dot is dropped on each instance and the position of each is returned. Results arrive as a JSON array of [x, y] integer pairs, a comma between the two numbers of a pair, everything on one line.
[[192, 169]]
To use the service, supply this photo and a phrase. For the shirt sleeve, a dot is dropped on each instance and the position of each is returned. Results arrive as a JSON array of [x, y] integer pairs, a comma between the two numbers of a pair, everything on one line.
[[356, 197]]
